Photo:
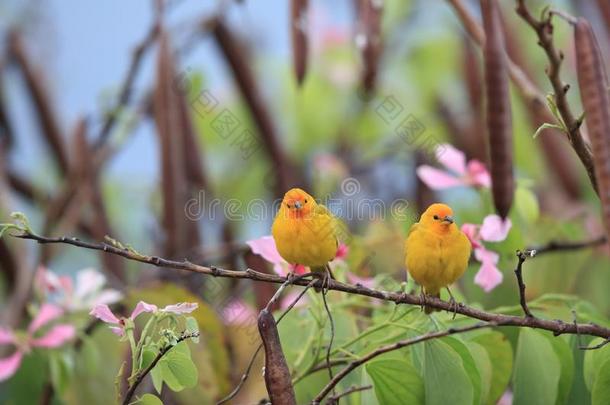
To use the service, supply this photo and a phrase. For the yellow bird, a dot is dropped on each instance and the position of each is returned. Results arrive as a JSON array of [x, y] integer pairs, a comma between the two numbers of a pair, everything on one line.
[[305, 232], [437, 252]]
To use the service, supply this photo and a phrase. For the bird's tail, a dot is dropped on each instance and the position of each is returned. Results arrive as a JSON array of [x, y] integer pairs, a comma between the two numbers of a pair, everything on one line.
[[429, 309]]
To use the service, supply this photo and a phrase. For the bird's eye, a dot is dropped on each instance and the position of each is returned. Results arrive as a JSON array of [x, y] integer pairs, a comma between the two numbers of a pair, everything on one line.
[[288, 205], [306, 201], [436, 217]]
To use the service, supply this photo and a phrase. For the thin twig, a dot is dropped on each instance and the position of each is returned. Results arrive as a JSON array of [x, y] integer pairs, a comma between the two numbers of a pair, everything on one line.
[[544, 31], [140, 376], [579, 341], [246, 374], [521, 257], [127, 85], [334, 399], [558, 246], [332, 332], [535, 97], [394, 346], [556, 326]]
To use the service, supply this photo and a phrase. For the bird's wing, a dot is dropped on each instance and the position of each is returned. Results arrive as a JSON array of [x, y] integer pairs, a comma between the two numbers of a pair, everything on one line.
[[322, 210], [338, 226], [413, 228]]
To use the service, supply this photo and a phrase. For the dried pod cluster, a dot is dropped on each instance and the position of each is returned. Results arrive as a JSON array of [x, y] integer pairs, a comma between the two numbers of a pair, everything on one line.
[[498, 109], [368, 40], [298, 30], [277, 374], [593, 84]]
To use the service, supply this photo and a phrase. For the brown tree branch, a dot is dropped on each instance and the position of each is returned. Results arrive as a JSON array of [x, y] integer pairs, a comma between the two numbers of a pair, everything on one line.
[[563, 246], [521, 257], [532, 95], [544, 31], [234, 54], [41, 100], [334, 399], [269, 305], [558, 327], [127, 84], [391, 347]]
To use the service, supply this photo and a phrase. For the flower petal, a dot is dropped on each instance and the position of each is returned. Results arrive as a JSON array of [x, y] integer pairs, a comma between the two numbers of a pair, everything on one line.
[[299, 269], [142, 307], [478, 174], [488, 276], [494, 229], [486, 256], [452, 158], [239, 312], [342, 251], [108, 296], [88, 281], [103, 313], [117, 330], [57, 336], [6, 336], [181, 308], [437, 179], [10, 365], [46, 314], [472, 233], [265, 247], [281, 269]]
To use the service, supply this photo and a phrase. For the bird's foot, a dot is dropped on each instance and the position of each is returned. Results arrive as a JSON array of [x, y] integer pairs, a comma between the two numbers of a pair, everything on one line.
[[453, 306], [424, 299]]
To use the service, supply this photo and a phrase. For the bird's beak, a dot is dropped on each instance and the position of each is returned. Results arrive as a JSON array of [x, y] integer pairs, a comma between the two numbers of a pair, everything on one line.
[[298, 205], [448, 219]]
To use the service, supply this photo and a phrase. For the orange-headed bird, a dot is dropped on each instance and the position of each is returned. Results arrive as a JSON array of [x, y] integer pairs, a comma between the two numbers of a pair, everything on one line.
[[437, 252]]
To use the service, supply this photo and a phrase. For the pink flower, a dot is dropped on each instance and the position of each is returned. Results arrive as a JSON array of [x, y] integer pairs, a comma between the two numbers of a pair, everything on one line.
[[86, 292], [103, 313], [493, 229], [238, 312], [266, 248], [342, 251], [458, 172], [56, 336]]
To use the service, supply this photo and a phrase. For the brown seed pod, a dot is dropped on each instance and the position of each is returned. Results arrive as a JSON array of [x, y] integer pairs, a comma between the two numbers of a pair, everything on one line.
[[298, 29], [277, 375], [593, 84], [499, 120], [368, 40]]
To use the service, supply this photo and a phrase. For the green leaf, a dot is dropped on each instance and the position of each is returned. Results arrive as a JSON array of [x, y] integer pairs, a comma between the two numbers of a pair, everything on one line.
[[396, 382], [484, 366], [192, 327], [470, 365], [594, 359], [148, 355], [443, 368], [61, 367], [149, 399], [90, 353], [527, 204], [546, 125], [500, 354], [177, 369], [537, 370], [156, 375], [600, 394], [566, 360]]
